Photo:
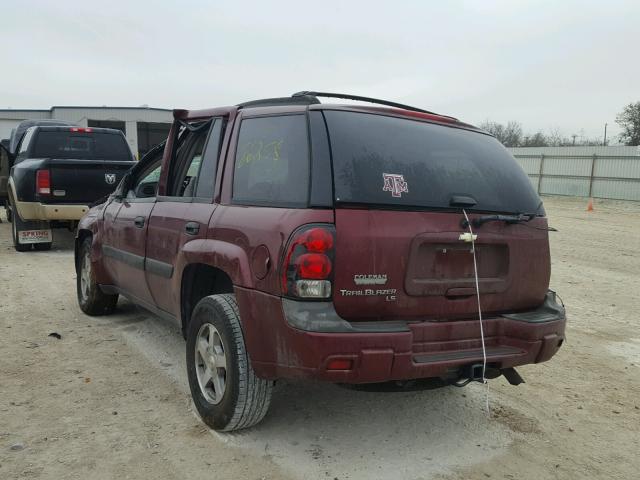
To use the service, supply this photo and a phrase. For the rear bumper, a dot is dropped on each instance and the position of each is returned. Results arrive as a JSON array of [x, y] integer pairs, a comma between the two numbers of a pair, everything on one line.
[[41, 211], [390, 351]]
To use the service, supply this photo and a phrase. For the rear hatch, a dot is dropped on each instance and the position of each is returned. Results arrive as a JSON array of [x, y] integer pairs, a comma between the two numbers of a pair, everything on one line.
[[85, 164], [400, 187]]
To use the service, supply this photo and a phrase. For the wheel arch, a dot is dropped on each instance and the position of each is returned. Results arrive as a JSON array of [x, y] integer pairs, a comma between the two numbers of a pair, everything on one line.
[[80, 237], [11, 197], [200, 280]]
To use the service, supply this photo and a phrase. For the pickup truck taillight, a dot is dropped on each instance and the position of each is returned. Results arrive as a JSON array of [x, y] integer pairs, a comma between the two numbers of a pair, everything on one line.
[[43, 182], [308, 262]]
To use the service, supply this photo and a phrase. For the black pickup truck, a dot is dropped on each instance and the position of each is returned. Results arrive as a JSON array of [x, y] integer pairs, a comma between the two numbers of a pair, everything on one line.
[[58, 171]]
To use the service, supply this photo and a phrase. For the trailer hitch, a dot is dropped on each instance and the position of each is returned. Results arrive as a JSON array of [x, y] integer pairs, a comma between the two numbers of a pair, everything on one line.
[[473, 373]]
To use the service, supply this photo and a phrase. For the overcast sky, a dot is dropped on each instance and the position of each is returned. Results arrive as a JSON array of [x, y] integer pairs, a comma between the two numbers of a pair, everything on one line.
[[569, 65]]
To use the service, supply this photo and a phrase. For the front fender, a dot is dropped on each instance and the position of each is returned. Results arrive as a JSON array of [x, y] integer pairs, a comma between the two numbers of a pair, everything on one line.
[[90, 219], [89, 225]]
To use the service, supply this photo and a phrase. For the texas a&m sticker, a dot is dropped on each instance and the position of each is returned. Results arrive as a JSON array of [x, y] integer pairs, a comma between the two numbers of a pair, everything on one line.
[[395, 184]]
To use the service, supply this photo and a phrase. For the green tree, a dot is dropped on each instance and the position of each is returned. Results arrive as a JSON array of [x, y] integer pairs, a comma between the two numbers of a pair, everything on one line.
[[629, 120]]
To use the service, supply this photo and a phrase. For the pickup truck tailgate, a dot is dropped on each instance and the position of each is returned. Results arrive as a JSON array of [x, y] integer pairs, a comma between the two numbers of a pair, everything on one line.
[[84, 181]]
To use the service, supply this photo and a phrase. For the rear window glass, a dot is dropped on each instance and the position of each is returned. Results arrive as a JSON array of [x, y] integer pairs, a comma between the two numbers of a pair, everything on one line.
[[272, 161], [397, 162], [76, 145]]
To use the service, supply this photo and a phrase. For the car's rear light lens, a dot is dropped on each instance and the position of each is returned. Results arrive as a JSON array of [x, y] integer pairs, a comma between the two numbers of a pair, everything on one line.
[[81, 129], [318, 240], [313, 288], [308, 263], [43, 182], [314, 266]]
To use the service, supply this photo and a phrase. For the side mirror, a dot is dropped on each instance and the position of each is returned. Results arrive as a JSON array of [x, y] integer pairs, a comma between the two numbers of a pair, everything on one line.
[[147, 190], [121, 190]]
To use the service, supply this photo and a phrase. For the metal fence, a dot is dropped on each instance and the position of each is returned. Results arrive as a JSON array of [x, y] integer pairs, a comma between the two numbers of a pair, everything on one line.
[[602, 172]]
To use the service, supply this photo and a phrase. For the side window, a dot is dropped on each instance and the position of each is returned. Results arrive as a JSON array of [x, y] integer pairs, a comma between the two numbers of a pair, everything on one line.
[[187, 164], [272, 161], [207, 176], [24, 144]]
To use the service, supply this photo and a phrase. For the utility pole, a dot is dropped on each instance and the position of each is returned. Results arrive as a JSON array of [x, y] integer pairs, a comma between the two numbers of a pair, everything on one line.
[[604, 143], [574, 138]]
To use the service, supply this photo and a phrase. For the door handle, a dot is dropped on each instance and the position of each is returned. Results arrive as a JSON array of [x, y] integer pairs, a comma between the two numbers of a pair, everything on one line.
[[139, 222], [192, 228]]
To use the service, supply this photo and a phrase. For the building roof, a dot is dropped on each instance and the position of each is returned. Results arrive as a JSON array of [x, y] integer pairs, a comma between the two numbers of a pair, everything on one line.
[[80, 107], [113, 108]]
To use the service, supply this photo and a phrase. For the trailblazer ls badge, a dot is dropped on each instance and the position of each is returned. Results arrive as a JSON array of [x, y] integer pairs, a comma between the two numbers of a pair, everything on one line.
[[395, 184], [389, 294]]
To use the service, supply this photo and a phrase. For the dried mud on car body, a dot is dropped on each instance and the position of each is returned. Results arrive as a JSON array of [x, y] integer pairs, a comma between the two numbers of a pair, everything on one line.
[[110, 399]]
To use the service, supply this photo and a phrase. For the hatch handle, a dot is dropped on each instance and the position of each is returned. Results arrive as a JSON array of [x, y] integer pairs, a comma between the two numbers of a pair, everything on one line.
[[462, 201]]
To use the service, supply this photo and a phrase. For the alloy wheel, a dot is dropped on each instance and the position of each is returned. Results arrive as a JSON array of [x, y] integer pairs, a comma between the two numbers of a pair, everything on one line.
[[211, 363], [85, 276]]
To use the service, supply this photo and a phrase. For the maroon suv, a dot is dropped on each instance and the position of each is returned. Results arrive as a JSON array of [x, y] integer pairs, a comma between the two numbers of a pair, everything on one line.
[[291, 238]]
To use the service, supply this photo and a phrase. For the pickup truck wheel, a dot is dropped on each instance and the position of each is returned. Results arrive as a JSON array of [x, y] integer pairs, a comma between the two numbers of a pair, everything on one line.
[[225, 390], [16, 227], [91, 299]]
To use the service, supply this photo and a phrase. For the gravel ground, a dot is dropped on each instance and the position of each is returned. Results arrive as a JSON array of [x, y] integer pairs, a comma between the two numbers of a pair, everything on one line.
[[109, 399]]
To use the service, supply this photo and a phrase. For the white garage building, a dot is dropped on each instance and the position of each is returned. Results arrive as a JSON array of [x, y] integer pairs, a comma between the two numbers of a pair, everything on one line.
[[144, 127]]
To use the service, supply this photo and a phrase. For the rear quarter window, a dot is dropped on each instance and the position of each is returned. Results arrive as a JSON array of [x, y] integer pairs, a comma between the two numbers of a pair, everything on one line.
[[24, 144], [272, 162], [402, 163]]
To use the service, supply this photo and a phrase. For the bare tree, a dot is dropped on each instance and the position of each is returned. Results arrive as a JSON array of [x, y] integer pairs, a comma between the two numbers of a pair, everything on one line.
[[513, 134], [538, 139], [510, 135], [590, 142], [555, 138], [629, 120]]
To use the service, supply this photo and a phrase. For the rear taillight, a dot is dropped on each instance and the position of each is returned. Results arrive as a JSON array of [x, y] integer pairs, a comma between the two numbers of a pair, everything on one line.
[[308, 263], [314, 266], [43, 182], [81, 129]]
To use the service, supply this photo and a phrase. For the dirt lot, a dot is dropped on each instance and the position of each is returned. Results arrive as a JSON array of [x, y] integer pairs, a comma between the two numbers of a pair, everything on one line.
[[110, 400]]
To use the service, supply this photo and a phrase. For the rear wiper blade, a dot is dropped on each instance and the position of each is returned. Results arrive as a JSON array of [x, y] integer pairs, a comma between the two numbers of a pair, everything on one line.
[[476, 222]]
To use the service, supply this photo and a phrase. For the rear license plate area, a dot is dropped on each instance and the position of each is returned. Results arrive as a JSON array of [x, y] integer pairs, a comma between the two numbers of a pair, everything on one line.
[[446, 269], [34, 236]]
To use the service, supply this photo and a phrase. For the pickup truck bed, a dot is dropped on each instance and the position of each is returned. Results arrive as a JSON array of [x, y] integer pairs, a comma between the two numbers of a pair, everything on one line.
[[71, 181]]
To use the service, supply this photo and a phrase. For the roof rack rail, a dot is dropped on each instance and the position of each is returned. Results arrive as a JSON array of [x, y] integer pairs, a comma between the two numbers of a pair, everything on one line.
[[365, 99], [276, 102]]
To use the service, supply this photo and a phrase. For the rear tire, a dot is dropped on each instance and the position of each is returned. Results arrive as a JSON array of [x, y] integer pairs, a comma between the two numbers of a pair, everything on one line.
[[17, 225], [91, 299], [226, 392]]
